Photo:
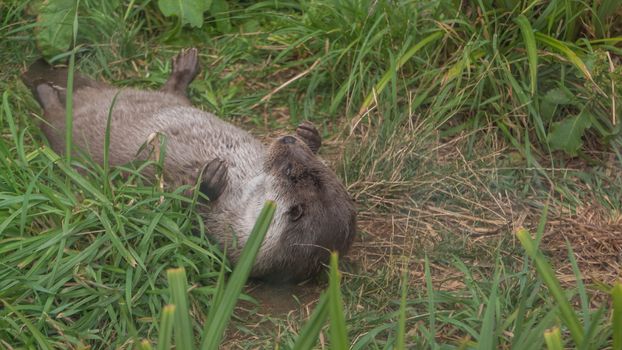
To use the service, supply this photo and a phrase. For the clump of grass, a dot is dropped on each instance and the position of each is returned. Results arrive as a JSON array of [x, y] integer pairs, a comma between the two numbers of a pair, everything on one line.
[[77, 259]]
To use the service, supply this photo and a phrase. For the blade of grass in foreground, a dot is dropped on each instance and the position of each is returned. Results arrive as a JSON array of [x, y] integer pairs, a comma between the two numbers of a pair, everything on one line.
[[107, 146], [177, 284], [308, 336], [548, 276], [145, 345], [553, 339], [401, 328], [616, 295], [487, 338], [431, 304], [69, 91], [166, 327], [338, 332], [220, 314]]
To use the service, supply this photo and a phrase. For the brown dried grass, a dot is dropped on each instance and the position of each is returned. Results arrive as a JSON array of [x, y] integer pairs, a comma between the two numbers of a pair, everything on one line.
[[451, 201]]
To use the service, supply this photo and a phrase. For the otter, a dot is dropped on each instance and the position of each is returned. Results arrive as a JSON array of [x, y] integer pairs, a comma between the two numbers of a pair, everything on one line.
[[236, 172]]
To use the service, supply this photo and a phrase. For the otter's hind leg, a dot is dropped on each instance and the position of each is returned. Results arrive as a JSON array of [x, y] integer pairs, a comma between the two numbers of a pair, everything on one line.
[[185, 69], [54, 115], [49, 100], [40, 72], [309, 134]]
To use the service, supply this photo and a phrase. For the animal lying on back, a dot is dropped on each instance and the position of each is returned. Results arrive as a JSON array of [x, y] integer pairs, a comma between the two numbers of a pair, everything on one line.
[[315, 214]]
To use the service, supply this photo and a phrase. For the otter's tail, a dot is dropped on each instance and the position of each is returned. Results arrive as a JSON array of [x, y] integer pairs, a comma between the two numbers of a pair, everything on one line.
[[40, 72]]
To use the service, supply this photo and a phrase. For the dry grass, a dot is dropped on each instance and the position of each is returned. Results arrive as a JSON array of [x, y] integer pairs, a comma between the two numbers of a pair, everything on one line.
[[452, 204]]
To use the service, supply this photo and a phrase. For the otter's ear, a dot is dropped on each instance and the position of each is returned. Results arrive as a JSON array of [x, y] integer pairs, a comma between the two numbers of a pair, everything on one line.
[[214, 179], [309, 134]]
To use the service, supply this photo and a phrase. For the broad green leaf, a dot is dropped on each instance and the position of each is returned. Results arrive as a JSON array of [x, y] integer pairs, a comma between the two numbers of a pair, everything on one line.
[[566, 135], [188, 11], [557, 96], [547, 110], [220, 11], [550, 101], [54, 33]]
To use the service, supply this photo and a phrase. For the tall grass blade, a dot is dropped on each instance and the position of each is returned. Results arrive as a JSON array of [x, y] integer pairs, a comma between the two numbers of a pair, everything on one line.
[[145, 345], [566, 51], [39, 338], [487, 338], [380, 85], [166, 327], [401, 326], [220, 285], [8, 116], [548, 276], [107, 145], [431, 304], [220, 314], [599, 18], [592, 335], [542, 224], [583, 297], [75, 176], [553, 339], [111, 233], [529, 40], [178, 287], [338, 332], [308, 336], [69, 91], [616, 296]]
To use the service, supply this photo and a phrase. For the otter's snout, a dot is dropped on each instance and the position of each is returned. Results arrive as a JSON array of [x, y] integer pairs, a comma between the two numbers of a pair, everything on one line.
[[288, 139]]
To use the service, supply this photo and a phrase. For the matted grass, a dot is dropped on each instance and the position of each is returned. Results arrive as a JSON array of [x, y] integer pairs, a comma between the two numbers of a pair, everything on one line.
[[447, 121]]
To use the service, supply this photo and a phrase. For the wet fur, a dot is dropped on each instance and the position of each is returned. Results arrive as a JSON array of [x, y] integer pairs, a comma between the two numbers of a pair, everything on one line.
[[314, 213]]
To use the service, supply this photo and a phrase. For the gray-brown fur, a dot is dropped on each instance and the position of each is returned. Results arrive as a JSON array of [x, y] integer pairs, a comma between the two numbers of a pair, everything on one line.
[[314, 212]]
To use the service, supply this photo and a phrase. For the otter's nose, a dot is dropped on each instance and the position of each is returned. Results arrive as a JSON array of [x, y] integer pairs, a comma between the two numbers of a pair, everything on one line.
[[288, 139]]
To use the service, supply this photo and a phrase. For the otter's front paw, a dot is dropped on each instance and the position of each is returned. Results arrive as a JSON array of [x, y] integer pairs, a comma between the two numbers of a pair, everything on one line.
[[214, 180], [309, 134]]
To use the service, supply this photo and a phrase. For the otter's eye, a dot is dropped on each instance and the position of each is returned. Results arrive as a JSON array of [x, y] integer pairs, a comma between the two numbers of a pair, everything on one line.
[[295, 212]]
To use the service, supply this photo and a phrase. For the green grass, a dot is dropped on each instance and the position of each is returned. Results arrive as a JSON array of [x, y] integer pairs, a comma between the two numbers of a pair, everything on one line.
[[451, 123]]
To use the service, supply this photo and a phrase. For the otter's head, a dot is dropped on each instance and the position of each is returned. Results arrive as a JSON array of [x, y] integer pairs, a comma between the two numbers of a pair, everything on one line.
[[315, 215]]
